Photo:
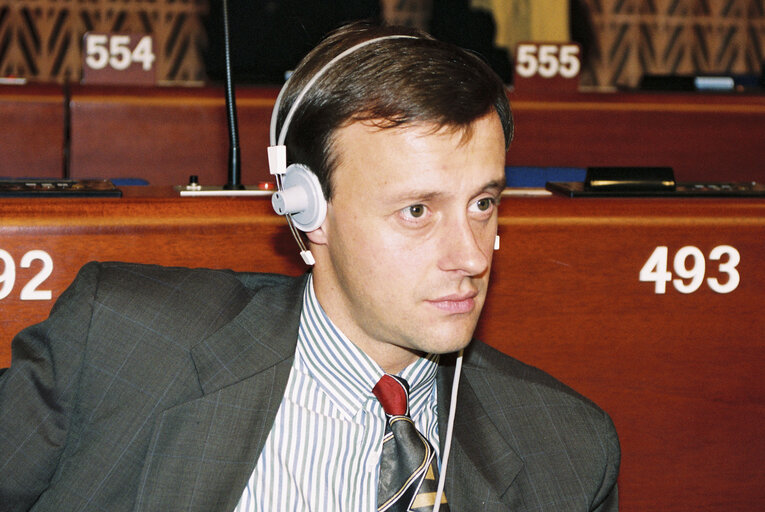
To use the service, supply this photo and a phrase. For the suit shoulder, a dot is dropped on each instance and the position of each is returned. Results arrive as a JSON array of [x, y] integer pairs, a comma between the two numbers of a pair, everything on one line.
[[178, 302], [184, 277], [212, 285], [507, 383]]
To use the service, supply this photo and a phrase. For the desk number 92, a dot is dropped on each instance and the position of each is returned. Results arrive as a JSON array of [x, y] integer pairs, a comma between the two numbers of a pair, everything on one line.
[[689, 265], [31, 290]]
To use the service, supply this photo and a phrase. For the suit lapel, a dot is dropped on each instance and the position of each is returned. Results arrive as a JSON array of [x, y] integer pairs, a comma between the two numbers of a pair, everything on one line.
[[203, 451], [482, 465]]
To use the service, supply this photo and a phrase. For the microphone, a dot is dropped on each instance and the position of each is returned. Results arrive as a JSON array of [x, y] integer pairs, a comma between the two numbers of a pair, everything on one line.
[[234, 186], [234, 160]]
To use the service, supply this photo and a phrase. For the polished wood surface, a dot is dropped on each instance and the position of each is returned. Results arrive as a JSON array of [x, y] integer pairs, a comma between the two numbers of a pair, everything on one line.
[[32, 131], [703, 137], [165, 134], [681, 374], [162, 135]]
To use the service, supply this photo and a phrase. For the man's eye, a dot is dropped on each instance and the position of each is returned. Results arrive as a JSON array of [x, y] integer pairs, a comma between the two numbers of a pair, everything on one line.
[[484, 204], [416, 210]]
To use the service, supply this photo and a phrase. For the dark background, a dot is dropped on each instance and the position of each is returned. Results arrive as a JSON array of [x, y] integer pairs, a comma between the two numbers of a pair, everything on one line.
[[270, 37]]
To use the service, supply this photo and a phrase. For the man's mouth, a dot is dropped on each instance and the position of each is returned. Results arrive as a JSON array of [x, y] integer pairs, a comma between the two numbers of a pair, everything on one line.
[[455, 303]]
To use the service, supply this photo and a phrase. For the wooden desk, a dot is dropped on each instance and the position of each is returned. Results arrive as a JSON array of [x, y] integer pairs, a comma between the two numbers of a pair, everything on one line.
[[163, 135], [32, 134], [680, 373], [704, 137]]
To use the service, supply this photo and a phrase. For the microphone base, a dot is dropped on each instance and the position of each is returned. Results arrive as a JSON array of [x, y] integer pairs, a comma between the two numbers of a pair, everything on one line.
[[211, 191]]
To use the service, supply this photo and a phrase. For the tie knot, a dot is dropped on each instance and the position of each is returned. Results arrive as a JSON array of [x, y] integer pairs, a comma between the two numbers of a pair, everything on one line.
[[393, 394]]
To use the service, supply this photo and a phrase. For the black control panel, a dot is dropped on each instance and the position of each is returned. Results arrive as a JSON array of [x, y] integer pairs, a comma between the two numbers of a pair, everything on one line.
[[57, 188]]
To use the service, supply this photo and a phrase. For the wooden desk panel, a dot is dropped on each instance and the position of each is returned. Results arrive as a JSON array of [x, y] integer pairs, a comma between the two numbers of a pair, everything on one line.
[[32, 137], [704, 137], [681, 374], [164, 135]]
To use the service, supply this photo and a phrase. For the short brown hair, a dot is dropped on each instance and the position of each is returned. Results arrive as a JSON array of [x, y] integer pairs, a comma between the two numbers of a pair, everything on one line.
[[391, 82]]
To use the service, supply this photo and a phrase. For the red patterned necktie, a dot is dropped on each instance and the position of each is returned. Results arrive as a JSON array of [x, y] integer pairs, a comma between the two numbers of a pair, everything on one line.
[[408, 466]]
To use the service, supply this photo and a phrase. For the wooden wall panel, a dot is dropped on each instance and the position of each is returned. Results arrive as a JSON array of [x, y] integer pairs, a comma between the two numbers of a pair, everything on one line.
[[632, 37], [43, 38], [628, 37]]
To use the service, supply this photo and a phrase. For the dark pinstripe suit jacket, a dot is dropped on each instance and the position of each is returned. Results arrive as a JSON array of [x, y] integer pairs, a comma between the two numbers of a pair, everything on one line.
[[154, 389]]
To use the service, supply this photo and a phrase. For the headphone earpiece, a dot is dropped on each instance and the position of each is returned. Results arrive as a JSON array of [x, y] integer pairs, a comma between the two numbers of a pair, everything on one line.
[[301, 198]]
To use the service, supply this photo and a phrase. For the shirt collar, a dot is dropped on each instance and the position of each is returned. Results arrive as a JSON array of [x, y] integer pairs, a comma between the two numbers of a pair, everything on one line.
[[344, 372]]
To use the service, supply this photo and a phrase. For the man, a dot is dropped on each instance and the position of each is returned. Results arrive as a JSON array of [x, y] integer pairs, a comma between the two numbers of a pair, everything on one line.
[[151, 388]]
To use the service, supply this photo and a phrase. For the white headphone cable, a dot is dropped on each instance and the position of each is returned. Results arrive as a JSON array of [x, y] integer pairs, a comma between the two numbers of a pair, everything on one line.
[[449, 432]]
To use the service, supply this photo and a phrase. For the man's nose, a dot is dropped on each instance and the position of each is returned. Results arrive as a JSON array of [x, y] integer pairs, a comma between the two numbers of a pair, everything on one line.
[[465, 245]]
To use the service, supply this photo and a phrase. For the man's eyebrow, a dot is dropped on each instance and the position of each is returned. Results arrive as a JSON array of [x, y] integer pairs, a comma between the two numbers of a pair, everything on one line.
[[496, 186], [417, 196]]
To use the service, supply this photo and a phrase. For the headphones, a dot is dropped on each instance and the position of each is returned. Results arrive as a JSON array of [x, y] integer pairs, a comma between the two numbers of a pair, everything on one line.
[[299, 196]]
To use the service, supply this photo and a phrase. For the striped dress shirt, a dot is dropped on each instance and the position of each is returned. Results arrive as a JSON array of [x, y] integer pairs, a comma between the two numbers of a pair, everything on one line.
[[323, 451]]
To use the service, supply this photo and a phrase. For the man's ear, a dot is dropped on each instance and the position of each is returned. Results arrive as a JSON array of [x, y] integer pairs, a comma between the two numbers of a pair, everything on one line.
[[319, 235]]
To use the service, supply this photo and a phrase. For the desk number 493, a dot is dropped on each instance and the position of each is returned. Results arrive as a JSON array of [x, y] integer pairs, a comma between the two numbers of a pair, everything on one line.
[[690, 278]]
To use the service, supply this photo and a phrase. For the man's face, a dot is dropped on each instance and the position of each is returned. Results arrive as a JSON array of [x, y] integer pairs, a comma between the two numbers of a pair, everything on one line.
[[403, 257]]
